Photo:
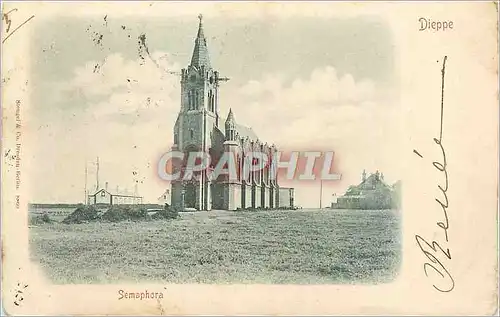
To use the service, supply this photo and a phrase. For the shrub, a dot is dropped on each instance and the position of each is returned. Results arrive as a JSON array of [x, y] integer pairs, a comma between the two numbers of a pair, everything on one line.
[[82, 214], [118, 213], [137, 213], [45, 218], [114, 214], [167, 213], [40, 219]]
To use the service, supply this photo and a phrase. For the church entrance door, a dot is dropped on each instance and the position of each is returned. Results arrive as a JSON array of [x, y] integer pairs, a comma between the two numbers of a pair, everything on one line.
[[190, 196]]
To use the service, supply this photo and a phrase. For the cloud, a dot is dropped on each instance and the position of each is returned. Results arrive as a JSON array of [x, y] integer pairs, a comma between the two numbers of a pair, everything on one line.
[[305, 109], [125, 86], [323, 87], [326, 111], [127, 118]]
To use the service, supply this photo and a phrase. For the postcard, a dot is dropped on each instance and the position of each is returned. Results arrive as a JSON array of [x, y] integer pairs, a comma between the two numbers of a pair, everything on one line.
[[249, 158]]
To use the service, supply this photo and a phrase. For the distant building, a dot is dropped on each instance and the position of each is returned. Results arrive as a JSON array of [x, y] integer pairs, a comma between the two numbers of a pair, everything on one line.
[[165, 198], [334, 199], [371, 193], [102, 196]]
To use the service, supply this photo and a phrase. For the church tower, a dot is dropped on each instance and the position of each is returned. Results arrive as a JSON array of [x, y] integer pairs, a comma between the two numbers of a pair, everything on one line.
[[231, 186], [230, 126], [198, 116]]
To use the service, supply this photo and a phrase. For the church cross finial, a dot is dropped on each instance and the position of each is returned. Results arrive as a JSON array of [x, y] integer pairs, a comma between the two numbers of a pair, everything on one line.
[[200, 17]]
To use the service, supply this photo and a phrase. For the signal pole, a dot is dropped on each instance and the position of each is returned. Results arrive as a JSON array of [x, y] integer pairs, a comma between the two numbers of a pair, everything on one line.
[[86, 195], [97, 175], [320, 194]]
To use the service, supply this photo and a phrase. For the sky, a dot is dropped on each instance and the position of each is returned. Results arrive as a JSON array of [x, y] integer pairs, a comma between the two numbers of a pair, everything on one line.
[[300, 83]]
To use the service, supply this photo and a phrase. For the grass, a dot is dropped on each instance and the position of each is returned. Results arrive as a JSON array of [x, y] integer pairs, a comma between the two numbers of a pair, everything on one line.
[[56, 214], [293, 247]]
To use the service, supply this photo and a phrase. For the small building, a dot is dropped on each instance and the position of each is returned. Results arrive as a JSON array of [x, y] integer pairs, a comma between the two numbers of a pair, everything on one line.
[[334, 200], [165, 198], [104, 197], [371, 193]]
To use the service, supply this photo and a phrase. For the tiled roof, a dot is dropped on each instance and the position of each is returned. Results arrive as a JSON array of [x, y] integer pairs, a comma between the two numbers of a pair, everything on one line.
[[244, 132]]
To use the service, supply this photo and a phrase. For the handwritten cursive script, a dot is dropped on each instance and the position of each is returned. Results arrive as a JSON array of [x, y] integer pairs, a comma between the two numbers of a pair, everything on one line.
[[19, 297], [434, 249], [8, 22]]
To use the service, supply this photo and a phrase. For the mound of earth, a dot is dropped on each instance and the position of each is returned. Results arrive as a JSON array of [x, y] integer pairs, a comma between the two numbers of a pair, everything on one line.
[[118, 213], [82, 214], [40, 219], [169, 213]]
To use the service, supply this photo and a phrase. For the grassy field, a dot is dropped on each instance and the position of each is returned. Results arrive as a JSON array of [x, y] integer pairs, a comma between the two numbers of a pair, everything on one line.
[[294, 247]]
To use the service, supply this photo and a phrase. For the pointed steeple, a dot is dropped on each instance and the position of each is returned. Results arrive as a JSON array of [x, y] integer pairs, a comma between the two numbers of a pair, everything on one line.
[[230, 117], [200, 52], [230, 126]]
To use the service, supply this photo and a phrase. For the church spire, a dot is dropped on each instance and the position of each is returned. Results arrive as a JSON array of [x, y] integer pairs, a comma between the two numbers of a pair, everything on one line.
[[230, 117], [230, 126], [200, 52]]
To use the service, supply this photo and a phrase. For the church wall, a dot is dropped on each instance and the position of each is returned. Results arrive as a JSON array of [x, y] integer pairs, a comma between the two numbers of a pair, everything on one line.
[[176, 195], [277, 197], [248, 196], [265, 197], [285, 197], [217, 196], [210, 121], [198, 202], [237, 196], [192, 121], [217, 141], [257, 196], [232, 198], [207, 197]]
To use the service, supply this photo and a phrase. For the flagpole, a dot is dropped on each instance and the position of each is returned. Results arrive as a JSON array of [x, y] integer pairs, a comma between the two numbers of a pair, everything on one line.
[[85, 199], [320, 194], [97, 175]]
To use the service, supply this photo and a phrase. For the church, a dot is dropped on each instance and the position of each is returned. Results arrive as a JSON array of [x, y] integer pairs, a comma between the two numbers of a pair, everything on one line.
[[199, 128]]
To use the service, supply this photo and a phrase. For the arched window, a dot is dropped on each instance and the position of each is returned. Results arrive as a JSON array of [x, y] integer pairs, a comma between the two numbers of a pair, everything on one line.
[[191, 133], [190, 100], [211, 101], [193, 99]]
